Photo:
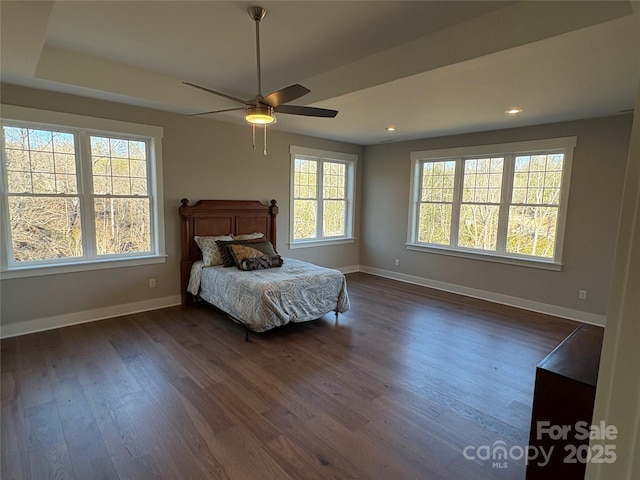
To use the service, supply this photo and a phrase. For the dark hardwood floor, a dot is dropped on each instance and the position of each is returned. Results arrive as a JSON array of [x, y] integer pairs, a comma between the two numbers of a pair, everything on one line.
[[397, 390]]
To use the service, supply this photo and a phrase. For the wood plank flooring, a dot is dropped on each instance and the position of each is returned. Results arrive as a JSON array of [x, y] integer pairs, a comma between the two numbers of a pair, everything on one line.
[[407, 380]]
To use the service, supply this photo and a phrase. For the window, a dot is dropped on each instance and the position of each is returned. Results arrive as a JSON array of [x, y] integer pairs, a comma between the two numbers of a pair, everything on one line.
[[78, 192], [322, 192], [504, 202]]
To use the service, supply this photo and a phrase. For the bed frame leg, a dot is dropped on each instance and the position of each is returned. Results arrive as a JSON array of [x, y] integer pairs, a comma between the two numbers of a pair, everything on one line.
[[246, 334], [336, 324]]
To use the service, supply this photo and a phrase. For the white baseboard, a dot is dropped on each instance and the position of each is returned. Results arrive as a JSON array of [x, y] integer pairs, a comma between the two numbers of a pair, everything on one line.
[[525, 304], [41, 324], [49, 323], [350, 269]]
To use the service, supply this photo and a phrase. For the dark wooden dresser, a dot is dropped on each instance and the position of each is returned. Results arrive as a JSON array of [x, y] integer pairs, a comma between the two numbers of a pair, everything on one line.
[[564, 394]]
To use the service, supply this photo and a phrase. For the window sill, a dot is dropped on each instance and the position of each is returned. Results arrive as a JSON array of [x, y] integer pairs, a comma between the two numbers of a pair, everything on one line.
[[320, 243], [88, 265], [488, 257]]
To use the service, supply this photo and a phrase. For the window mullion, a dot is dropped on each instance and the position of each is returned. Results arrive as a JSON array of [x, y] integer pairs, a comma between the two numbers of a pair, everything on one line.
[[320, 200], [85, 191], [348, 225], [151, 196], [505, 202], [457, 200], [417, 202], [6, 236]]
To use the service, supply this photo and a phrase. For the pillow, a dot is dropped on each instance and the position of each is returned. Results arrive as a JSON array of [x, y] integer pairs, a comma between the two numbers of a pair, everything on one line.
[[248, 258], [249, 236], [211, 255], [257, 243], [238, 252], [260, 263]]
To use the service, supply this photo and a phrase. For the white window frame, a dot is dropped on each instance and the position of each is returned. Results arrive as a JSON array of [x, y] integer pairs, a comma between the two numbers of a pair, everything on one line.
[[350, 161], [83, 126], [509, 151]]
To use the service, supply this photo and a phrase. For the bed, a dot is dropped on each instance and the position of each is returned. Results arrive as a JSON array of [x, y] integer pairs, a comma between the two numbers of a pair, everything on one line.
[[259, 300]]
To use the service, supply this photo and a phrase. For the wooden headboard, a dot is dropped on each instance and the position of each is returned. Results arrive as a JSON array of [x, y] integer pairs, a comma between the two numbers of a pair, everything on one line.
[[220, 217]]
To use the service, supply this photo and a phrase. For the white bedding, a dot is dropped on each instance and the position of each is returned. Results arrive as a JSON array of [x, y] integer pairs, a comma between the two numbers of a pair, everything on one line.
[[263, 299]]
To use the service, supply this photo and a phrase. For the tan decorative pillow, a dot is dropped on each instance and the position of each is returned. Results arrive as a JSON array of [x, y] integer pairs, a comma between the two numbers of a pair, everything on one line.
[[240, 252], [210, 251], [249, 236], [257, 243]]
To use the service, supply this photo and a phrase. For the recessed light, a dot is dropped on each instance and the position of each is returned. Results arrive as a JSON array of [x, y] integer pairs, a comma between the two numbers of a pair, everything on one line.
[[390, 128], [513, 110]]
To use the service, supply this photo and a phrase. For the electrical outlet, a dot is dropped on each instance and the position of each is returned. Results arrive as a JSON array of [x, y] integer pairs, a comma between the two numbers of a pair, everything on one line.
[[582, 294], [396, 262], [152, 283]]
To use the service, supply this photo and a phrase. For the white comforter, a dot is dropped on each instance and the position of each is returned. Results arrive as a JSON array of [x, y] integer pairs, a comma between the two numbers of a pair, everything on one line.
[[263, 299]]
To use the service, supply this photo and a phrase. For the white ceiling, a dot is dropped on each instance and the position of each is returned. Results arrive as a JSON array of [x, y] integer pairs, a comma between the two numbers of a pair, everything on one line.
[[429, 68]]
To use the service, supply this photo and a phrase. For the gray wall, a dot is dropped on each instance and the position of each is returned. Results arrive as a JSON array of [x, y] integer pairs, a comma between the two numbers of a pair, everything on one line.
[[202, 158], [205, 158], [594, 202]]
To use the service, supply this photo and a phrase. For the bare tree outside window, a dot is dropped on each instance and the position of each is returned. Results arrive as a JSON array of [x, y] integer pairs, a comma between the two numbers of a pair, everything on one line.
[[436, 201], [480, 209], [508, 204], [322, 195], [533, 215], [44, 213], [121, 205], [51, 206]]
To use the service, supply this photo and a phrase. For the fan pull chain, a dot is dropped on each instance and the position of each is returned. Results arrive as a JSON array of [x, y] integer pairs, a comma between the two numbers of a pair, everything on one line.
[[264, 152], [253, 136]]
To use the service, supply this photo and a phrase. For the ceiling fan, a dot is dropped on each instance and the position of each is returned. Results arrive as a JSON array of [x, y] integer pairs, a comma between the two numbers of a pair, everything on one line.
[[260, 110]]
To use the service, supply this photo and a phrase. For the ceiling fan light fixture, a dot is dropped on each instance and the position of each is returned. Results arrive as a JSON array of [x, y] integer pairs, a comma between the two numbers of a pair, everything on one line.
[[260, 115], [513, 110], [260, 110]]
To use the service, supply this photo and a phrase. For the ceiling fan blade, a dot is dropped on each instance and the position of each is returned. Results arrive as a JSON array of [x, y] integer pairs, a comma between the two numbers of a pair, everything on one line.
[[216, 111], [216, 93], [285, 95], [306, 111]]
